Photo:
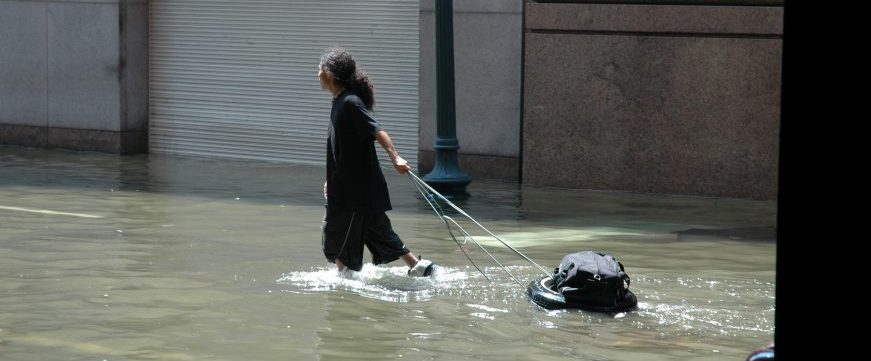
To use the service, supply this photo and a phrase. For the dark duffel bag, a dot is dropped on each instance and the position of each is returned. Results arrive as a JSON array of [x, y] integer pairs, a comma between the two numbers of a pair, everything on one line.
[[591, 278]]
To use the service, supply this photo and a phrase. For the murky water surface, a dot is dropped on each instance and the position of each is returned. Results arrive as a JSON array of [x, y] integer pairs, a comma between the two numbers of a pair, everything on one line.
[[168, 258]]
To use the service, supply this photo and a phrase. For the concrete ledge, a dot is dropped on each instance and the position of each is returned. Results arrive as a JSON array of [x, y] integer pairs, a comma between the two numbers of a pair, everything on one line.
[[476, 166], [25, 135], [128, 142], [695, 19]]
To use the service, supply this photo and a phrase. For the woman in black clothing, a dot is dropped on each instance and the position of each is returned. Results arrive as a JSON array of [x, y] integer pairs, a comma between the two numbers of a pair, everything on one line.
[[356, 192]]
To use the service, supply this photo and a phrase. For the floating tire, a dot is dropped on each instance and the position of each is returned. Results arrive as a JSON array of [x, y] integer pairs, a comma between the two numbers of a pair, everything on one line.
[[541, 294]]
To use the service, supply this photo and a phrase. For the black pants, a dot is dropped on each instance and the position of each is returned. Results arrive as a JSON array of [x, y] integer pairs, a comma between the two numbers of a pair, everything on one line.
[[346, 231]]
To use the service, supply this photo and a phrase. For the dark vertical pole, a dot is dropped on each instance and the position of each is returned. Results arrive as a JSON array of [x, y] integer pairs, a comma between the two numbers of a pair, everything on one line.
[[446, 175]]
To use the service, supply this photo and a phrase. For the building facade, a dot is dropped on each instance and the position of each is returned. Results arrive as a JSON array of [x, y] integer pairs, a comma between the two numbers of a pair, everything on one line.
[[645, 96]]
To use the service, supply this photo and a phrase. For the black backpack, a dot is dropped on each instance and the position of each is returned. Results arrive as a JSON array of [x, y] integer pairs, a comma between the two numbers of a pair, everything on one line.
[[591, 278]]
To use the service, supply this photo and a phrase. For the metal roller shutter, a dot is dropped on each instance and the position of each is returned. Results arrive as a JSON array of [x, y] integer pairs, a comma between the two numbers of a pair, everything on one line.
[[239, 78]]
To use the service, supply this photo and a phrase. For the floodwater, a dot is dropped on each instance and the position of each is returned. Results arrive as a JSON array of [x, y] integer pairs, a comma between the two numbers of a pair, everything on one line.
[[154, 257]]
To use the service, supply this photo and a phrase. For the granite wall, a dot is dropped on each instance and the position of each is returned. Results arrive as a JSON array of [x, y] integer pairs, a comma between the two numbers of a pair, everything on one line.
[[674, 99], [74, 74]]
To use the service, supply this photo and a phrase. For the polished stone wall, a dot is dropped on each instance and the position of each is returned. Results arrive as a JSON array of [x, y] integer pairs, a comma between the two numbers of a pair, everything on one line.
[[675, 99], [74, 74]]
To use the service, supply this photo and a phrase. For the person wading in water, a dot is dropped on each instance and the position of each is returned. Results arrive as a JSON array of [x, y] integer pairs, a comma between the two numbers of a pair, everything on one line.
[[356, 192]]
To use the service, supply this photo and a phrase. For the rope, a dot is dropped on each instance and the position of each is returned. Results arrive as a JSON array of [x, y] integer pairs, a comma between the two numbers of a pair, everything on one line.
[[429, 194]]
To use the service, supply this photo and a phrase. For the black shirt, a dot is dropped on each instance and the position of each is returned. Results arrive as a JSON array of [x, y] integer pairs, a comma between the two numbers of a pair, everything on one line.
[[354, 177]]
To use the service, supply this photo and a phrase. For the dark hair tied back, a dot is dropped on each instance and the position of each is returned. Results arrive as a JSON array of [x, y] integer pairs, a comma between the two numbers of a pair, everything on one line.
[[342, 67]]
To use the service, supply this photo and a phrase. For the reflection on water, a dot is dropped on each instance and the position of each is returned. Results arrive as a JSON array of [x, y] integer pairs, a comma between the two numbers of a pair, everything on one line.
[[171, 258]]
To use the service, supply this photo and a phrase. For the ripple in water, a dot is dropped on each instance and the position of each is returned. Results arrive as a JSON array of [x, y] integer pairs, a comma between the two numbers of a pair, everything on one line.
[[383, 283], [675, 306]]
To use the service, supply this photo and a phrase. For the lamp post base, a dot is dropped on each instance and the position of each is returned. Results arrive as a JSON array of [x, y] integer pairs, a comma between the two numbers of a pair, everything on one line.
[[446, 176], [452, 189]]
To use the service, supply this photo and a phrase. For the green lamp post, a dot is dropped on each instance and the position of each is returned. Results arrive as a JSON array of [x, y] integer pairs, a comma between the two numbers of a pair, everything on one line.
[[446, 175]]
